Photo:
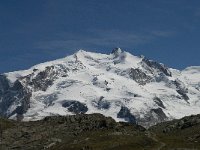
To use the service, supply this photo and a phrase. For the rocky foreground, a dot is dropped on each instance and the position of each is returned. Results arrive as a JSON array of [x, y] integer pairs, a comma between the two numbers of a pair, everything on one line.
[[96, 132]]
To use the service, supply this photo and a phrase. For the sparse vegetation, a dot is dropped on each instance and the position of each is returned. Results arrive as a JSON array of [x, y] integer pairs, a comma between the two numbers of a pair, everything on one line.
[[179, 134], [96, 132]]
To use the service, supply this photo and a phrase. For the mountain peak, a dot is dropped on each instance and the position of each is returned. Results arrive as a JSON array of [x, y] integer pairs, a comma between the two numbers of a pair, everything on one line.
[[119, 85], [81, 51], [117, 51]]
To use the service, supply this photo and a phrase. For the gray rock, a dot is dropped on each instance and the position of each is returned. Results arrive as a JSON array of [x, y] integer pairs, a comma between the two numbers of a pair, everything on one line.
[[42, 80], [13, 94], [126, 115], [152, 117], [181, 89], [159, 102], [139, 76], [153, 64], [116, 52], [75, 106], [160, 114], [4, 84], [101, 103]]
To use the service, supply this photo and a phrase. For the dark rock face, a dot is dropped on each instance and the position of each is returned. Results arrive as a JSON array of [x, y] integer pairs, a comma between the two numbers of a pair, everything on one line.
[[161, 77], [116, 52], [75, 107], [161, 115], [13, 94], [66, 84], [43, 79], [183, 94], [158, 66], [159, 102], [101, 103], [139, 76], [126, 115], [6, 99], [23, 96], [48, 99], [4, 85], [18, 92], [153, 117], [181, 89]]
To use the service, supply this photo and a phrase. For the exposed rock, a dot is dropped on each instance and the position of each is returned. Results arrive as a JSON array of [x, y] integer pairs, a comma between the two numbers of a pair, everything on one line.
[[75, 106], [139, 76], [48, 99], [101, 86], [158, 66], [125, 114], [181, 89], [186, 122], [132, 94], [101, 103], [71, 132], [65, 84], [153, 117], [183, 94], [15, 93], [159, 102], [179, 133], [42, 80], [4, 84], [159, 112], [19, 93], [116, 52]]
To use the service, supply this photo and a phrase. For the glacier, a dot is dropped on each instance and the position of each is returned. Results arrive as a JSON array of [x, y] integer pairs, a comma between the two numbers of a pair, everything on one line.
[[120, 85]]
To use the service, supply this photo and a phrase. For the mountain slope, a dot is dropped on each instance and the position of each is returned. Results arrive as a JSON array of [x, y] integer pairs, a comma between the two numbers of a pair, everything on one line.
[[120, 85], [181, 133], [97, 132], [90, 132]]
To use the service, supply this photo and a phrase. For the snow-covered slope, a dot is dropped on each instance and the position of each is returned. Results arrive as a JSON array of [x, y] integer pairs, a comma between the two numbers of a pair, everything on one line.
[[120, 85]]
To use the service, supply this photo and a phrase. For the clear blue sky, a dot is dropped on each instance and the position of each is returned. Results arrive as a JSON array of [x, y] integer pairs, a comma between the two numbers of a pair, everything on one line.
[[34, 31]]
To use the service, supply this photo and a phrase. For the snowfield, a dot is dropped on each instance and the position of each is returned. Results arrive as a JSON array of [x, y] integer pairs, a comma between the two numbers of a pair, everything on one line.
[[120, 85]]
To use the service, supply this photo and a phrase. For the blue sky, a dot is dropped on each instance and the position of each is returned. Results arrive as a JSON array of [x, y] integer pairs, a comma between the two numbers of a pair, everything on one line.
[[34, 31]]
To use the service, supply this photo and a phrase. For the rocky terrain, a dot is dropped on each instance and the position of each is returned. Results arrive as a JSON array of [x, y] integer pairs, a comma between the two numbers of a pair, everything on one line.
[[73, 132], [97, 132], [182, 133]]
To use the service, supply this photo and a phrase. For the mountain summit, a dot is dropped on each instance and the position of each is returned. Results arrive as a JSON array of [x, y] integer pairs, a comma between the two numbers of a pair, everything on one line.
[[121, 85]]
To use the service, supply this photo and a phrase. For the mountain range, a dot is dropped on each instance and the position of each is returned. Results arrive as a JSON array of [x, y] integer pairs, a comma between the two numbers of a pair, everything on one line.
[[120, 85]]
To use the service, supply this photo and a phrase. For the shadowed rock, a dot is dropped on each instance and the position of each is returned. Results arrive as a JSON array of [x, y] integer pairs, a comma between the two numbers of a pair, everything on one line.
[[152, 117], [101, 103], [181, 89], [42, 80], [161, 115], [139, 76], [158, 66], [159, 102], [75, 106], [116, 52], [13, 94], [125, 114]]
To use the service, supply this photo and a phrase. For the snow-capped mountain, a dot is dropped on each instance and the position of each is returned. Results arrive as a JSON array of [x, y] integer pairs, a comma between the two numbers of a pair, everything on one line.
[[120, 85]]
